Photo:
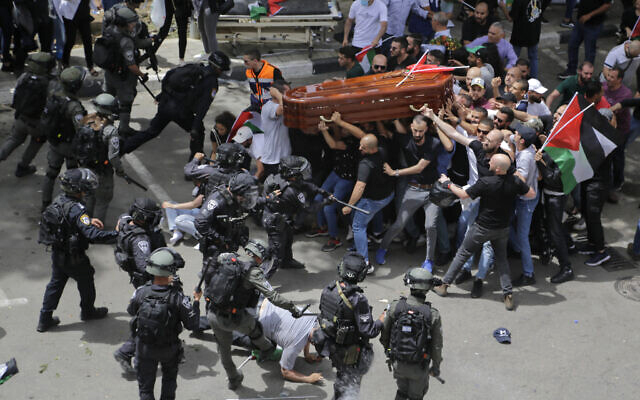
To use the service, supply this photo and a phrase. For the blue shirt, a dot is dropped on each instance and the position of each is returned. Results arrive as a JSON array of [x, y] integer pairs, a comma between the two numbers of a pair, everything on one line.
[[505, 49]]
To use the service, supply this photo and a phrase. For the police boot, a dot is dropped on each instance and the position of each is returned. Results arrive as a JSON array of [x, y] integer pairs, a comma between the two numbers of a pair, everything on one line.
[[235, 383], [565, 274], [95, 313], [47, 321], [293, 264], [24, 170], [401, 396]]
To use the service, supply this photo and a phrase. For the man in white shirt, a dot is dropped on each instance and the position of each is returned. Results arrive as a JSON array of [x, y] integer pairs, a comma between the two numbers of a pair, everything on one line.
[[276, 134], [370, 17], [536, 105], [254, 143], [625, 56]]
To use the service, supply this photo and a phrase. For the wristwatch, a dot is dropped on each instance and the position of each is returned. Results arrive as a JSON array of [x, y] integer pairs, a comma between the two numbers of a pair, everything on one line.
[[396, 173]]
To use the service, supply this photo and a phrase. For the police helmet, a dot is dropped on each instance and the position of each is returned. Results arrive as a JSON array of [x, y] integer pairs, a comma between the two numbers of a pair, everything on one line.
[[227, 258], [230, 155], [78, 180], [164, 262], [441, 195], [40, 63], [293, 166], [257, 248], [72, 78], [353, 267], [106, 105], [418, 279], [245, 186], [146, 212], [219, 60], [125, 16]]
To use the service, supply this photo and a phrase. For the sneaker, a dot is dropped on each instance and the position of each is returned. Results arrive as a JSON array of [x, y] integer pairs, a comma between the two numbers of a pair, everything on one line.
[[476, 291], [508, 302], [565, 274], [317, 232], [350, 234], [632, 254], [524, 280], [371, 268], [586, 248], [235, 383], [274, 355], [24, 171], [125, 362], [572, 249], [463, 276], [380, 256], [376, 237], [196, 247], [176, 237], [7, 370], [569, 24], [597, 259], [565, 74], [441, 290], [331, 245], [46, 322], [96, 313], [580, 225], [428, 265]]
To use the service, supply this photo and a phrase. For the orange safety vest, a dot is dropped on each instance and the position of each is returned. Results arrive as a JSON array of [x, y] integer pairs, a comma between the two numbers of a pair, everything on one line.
[[261, 83]]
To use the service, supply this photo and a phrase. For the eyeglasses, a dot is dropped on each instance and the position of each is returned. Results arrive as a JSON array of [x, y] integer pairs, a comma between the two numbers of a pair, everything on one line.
[[379, 67], [495, 118], [483, 132]]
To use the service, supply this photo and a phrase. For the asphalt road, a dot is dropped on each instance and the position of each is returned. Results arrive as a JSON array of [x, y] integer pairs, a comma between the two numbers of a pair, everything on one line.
[[572, 341]]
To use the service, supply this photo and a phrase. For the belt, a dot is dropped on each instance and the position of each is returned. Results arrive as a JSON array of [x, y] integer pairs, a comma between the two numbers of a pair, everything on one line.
[[420, 186]]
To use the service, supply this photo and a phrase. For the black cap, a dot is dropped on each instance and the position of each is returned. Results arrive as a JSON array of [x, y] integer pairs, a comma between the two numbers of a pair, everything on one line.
[[526, 133], [510, 97]]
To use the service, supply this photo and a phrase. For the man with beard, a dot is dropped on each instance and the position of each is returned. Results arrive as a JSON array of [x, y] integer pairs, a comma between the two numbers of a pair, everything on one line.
[[478, 25], [536, 106], [571, 85]]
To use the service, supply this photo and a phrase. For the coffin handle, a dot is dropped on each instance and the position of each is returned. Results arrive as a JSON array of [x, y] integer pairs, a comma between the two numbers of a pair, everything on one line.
[[416, 109], [323, 119]]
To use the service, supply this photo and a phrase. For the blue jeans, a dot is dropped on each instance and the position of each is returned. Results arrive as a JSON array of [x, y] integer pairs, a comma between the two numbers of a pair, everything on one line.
[[587, 33], [519, 232], [532, 54], [182, 220], [636, 240], [327, 216], [361, 220], [443, 233], [466, 220]]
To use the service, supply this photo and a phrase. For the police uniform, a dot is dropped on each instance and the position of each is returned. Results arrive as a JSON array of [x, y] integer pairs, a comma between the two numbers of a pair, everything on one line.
[[413, 378], [168, 352], [346, 327], [73, 114], [225, 321], [69, 259]]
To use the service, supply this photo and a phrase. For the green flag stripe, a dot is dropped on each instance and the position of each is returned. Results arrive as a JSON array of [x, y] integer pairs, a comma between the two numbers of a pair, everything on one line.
[[566, 162]]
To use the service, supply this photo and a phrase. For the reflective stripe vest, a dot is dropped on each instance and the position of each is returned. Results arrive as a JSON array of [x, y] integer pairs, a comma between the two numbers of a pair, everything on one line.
[[260, 84]]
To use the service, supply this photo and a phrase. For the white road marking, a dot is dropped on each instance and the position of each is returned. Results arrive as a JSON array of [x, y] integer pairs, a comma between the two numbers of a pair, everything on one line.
[[561, 61], [147, 178], [7, 302]]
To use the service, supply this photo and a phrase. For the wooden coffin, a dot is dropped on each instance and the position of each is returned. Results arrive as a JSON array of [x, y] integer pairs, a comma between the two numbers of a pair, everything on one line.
[[366, 98]]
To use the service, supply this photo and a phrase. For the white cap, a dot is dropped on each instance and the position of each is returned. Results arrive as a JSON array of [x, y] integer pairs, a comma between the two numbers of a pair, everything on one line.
[[477, 81], [244, 133], [536, 86]]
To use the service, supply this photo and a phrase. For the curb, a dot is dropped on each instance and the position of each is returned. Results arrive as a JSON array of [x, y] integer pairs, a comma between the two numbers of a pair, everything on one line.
[[554, 39]]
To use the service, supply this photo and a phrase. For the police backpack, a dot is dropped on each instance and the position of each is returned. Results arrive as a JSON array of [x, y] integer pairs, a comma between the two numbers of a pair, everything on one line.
[[178, 82], [89, 148], [30, 96], [106, 54], [225, 292], [153, 322], [53, 224], [52, 120], [410, 333]]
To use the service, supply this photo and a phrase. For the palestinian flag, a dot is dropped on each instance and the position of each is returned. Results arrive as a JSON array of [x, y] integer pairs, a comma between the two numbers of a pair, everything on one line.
[[580, 142], [635, 32], [365, 58], [252, 119]]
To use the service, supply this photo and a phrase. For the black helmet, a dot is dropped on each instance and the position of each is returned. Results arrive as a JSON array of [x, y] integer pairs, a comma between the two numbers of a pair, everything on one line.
[[125, 15], [106, 105], [293, 166], [78, 180], [441, 195], [245, 186], [219, 60], [257, 248], [230, 155], [418, 279], [40, 63], [164, 262], [353, 267], [145, 212], [72, 78], [227, 258]]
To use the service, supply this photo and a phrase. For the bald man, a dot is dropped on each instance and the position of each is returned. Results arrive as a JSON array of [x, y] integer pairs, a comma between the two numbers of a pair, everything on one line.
[[625, 56], [379, 64], [497, 194], [372, 192]]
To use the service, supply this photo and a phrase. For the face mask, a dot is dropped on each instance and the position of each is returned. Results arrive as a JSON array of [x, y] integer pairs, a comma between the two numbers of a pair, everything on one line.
[[364, 2]]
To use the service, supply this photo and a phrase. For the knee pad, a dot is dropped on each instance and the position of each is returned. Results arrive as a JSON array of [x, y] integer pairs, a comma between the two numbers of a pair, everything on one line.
[[256, 333]]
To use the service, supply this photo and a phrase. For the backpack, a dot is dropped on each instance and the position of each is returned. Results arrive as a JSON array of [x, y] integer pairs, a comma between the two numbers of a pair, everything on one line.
[[410, 333], [53, 229], [154, 317], [106, 54], [179, 81], [30, 96], [52, 120], [225, 292], [89, 148]]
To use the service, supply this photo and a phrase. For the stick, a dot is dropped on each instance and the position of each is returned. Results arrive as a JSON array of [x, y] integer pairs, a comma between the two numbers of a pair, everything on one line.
[[467, 4], [131, 180], [412, 69], [251, 357], [563, 126], [147, 87], [440, 379], [350, 206]]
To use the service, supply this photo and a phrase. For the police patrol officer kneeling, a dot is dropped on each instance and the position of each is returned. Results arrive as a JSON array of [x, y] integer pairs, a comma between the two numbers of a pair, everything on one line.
[[160, 310], [412, 337]]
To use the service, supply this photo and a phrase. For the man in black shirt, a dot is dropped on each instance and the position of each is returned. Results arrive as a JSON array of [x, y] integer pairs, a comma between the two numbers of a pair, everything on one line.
[[497, 198], [373, 191], [399, 57], [420, 151], [478, 25]]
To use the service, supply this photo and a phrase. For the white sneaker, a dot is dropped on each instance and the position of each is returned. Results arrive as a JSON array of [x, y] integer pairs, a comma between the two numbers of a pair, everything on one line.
[[350, 234], [197, 247], [371, 269], [422, 239], [176, 237]]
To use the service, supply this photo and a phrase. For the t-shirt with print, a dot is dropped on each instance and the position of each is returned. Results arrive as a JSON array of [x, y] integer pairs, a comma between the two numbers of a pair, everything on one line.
[[427, 151], [345, 162], [497, 199], [370, 170], [367, 21]]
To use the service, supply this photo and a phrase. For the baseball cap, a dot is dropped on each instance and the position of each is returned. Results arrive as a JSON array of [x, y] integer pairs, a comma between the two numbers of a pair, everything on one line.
[[510, 97], [243, 134], [502, 335], [474, 50], [478, 82], [536, 86], [526, 133]]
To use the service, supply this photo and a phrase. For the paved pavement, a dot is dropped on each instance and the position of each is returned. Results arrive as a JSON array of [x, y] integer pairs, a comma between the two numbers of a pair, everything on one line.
[[572, 341]]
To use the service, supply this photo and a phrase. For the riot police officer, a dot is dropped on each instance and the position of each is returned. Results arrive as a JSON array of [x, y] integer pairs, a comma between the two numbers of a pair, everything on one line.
[[346, 326], [97, 147], [160, 310], [220, 222], [62, 116], [28, 100], [286, 194], [412, 337], [230, 159], [233, 287], [187, 93], [68, 229], [261, 254], [122, 80]]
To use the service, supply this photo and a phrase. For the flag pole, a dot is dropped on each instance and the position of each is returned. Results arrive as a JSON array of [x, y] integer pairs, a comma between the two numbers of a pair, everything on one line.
[[634, 28], [413, 68], [563, 126]]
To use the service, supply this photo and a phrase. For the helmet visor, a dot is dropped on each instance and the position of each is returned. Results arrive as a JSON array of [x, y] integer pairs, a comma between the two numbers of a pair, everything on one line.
[[249, 198]]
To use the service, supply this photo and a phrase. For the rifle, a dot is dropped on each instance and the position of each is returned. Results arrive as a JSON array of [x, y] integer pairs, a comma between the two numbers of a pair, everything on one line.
[[130, 180]]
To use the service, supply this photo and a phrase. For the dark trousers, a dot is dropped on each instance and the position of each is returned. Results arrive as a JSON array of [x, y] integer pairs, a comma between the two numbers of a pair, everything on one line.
[[62, 269], [6, 24], [587, 33], [558, 235], [182, 20], [25, 43], [81, 23], [148, 359], [348, 377], [270, 169], [592, 195], [280, 235], [618, 161]]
